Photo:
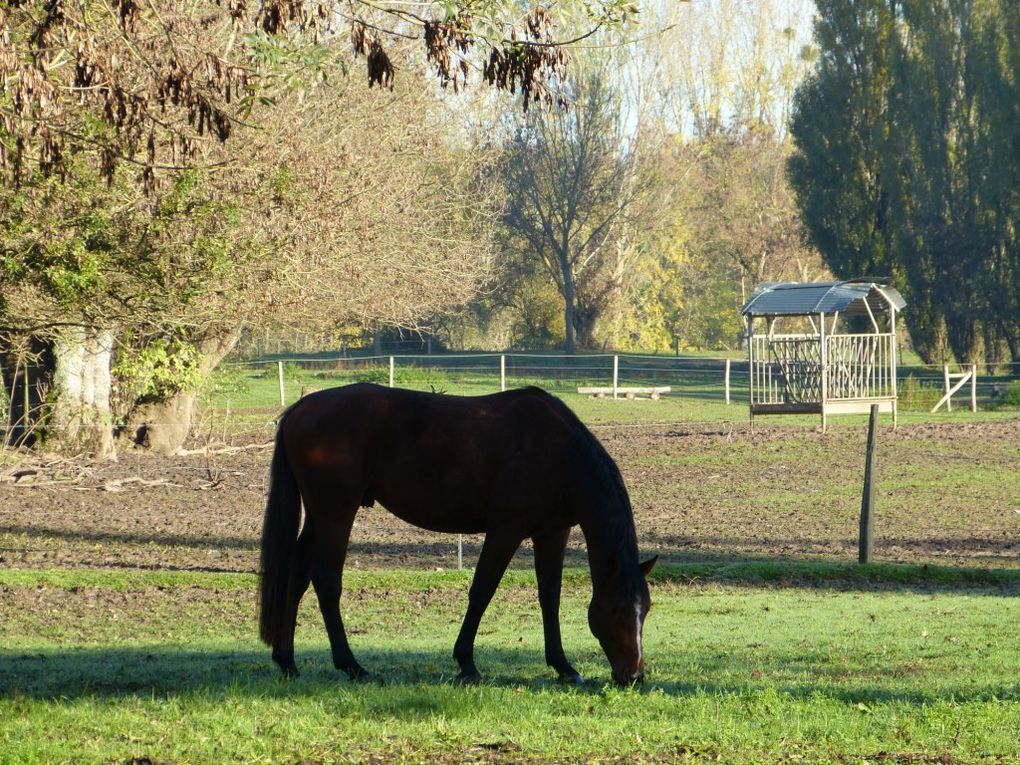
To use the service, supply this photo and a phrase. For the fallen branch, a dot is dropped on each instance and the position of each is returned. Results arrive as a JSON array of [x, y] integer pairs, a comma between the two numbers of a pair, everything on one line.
[[223, 450]]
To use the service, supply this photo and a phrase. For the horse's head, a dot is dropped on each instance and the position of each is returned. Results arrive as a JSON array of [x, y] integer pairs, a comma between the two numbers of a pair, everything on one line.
[[616, 617]]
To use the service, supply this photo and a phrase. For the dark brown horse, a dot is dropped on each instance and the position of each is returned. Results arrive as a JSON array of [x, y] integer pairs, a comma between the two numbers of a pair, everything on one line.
[[512, 465]]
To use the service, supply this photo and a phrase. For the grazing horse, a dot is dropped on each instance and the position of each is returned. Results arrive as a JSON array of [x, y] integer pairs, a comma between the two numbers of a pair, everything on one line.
[[512, 465]]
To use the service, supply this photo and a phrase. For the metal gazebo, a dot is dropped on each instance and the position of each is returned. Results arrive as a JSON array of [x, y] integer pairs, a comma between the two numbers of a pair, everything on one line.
[[842, 365]]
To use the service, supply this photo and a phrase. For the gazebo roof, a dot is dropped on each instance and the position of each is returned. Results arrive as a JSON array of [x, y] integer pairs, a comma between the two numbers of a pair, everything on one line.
[[847, 297]]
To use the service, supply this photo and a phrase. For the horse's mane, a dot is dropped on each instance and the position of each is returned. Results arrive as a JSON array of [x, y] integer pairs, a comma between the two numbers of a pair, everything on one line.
[[589, 452]]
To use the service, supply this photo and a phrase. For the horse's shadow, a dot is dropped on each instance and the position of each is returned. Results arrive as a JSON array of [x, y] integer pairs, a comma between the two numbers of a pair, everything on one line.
[[111, 673]]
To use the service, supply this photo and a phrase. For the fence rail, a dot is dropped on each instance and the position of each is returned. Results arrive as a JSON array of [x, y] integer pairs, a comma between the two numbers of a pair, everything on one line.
[[719, 379]]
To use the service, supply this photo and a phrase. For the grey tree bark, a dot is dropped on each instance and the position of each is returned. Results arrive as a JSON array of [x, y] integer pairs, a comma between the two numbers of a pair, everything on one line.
[[162, 425]]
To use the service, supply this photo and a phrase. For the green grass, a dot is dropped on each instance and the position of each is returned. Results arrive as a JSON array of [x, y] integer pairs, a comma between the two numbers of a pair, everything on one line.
[[256, 404], [749, 662]]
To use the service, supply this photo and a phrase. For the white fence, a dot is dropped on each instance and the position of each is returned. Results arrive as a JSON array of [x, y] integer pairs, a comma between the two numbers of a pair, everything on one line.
[[722, 380]]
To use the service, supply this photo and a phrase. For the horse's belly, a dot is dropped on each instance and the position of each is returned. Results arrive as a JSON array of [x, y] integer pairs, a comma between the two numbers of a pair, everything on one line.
[[447, 518]]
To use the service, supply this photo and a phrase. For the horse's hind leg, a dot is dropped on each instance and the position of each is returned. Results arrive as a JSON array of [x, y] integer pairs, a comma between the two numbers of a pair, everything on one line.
[[549, 550], [283, 648], [327, 564]]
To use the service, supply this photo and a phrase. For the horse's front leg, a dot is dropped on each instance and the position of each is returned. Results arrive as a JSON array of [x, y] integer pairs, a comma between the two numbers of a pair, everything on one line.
[[497, 550], [549, 551]]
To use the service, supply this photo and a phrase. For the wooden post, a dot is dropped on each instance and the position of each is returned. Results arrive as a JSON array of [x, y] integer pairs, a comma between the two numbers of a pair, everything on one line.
[[391, 371], [895, 394], [750, 370], [616, 375], [460, 552], [279, 374], [502, 372], [949, 398], [973, 387], [866, 541], [824, 357], [727, 382]]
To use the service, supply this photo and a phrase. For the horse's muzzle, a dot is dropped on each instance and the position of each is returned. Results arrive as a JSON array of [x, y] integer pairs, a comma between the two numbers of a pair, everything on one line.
[[628, 678]]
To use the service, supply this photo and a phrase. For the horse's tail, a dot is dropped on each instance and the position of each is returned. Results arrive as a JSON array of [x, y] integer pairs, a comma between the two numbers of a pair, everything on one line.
[[279, 540]]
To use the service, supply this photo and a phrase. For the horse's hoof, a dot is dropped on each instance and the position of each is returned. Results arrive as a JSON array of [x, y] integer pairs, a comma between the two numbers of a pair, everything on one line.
[[289, 670], [355, 672], [572, 679], [468, 678], [361, 676]]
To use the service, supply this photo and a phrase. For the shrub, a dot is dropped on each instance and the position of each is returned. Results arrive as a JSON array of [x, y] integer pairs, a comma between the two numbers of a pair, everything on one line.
[[1010, 399], [914, 394], [291, 371]]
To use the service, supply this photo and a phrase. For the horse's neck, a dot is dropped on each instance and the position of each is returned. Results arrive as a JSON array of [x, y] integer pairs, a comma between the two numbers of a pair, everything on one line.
[[611, 541]]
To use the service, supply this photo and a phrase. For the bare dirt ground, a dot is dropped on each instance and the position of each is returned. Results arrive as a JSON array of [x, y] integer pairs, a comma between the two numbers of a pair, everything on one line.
[[947, 494]]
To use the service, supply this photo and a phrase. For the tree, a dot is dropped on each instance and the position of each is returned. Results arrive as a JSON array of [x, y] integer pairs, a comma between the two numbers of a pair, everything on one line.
[[118, 116], [741, 209], [731, 63], [906, 162], [301, 231], [571, 185]]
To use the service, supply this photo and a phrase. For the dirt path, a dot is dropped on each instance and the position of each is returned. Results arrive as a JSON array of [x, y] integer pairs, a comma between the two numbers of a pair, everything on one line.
[[948, 494]]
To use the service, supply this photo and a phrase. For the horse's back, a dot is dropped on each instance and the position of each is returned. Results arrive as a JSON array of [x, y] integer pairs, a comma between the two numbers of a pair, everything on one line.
[[448, 463]]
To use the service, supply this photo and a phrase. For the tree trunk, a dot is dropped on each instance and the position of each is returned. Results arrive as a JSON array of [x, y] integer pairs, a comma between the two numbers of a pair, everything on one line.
[[162, 425], [568, 306], [80, 416], [965, 339], [995, 346], [927, 332], [66, 404], [1010, 334], [584, 326]]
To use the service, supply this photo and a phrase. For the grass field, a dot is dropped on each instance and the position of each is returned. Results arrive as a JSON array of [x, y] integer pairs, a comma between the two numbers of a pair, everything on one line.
[[243, 399], [762, 647], [763, 663]]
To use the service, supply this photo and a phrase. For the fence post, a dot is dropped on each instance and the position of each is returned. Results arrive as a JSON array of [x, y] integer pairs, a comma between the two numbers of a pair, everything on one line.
[[616, 376], [279, 374], [460, 552], [727, 382], [866, 541], [949, 399], [973, 387], [502, 372], [391, 371]]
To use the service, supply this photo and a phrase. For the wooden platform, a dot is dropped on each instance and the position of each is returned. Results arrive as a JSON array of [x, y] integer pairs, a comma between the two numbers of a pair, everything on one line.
[[629, 392], [855, 406]]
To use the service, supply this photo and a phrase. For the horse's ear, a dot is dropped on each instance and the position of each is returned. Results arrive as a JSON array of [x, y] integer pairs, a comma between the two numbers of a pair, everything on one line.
[[648, 565]]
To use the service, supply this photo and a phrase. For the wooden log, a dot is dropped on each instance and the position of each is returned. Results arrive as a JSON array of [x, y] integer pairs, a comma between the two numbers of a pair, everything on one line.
[[628, 391]]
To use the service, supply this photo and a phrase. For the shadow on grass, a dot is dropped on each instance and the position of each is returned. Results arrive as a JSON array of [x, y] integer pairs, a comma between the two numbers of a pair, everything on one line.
[[893, 577], [418, 561], [129, 537], [407, 683]]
